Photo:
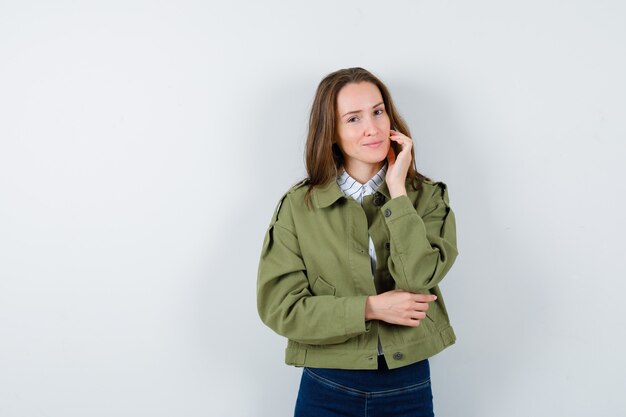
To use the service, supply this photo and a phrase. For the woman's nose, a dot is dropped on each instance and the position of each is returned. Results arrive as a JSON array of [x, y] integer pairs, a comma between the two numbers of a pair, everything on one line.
[[370, 128]]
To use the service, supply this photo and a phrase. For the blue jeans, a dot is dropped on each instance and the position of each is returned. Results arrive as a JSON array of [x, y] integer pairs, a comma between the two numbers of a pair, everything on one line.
[[382, 392]]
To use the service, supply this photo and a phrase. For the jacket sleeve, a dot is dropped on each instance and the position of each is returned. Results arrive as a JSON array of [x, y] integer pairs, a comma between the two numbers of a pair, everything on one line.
[[285, 301], [423, 248]]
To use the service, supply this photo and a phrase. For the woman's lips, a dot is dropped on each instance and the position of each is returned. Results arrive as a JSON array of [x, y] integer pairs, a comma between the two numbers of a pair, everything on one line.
[[373, 144]]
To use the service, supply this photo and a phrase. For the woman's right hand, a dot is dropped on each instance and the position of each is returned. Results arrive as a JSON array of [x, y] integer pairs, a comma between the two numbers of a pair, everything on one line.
[[398, 307]]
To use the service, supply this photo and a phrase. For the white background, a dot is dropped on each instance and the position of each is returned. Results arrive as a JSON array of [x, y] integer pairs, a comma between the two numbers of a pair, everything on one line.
[[144, 145]]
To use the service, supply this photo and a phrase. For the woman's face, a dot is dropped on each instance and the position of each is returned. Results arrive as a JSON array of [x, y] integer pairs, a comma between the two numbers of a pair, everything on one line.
[[363, 126]]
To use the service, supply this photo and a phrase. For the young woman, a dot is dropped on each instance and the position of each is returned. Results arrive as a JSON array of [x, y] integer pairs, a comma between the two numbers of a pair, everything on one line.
[[353, 256]]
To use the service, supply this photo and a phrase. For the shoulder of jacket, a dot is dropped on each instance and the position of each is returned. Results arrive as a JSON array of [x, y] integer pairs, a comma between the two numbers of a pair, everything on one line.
[[436, 190], [433, 183], [297, 191], [298, 188]]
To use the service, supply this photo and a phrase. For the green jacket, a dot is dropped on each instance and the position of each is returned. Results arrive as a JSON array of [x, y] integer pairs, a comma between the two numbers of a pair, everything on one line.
[[315, 274]]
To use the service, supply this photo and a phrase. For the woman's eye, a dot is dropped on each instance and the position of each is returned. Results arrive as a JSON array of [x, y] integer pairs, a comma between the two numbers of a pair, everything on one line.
[[352, 119], [378, 112]]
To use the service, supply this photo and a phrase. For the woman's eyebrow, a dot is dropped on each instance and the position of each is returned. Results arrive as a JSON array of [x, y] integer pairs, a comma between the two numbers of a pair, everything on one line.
[[359, 111]]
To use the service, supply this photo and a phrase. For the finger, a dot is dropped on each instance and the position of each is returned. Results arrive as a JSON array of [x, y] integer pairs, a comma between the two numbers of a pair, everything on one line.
[[412, 323], [424, 298], [408, 322], [422, 306], [411, 312], [417, 315], [398, 135], [406, 143]]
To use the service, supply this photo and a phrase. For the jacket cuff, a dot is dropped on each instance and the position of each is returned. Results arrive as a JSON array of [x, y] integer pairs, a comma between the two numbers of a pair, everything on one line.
[[354, 315], [396, 208]]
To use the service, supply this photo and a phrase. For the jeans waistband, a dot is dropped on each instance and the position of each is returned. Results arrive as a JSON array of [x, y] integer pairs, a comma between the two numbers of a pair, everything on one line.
[[380, 379]]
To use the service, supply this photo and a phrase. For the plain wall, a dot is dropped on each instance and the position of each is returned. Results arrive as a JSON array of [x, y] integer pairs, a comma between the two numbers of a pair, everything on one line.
[[144, 146]]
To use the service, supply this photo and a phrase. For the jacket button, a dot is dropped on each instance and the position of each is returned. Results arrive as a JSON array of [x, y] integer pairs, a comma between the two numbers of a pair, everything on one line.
[[387, 245], [387, 213], [398, 355], [378, 199]]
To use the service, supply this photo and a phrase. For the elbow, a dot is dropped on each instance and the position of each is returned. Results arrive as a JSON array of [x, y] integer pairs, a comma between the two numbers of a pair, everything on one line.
[[440, 265], [279, 318], [306, 326], [426, 272]]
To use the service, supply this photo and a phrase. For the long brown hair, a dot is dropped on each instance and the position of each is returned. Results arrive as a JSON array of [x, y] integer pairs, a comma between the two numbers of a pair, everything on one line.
[[323, 157]]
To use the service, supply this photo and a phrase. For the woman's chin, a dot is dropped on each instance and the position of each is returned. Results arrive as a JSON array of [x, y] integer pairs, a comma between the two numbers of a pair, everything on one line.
[[379, 162], [381, 155]]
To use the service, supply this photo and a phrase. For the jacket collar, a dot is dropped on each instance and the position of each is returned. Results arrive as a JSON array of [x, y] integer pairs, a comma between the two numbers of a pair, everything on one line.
[[325, 195], [349, 186], [384, 190]]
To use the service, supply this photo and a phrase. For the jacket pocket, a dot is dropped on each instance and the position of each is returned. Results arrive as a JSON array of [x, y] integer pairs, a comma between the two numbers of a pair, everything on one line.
[[433, 314], [321, 287]]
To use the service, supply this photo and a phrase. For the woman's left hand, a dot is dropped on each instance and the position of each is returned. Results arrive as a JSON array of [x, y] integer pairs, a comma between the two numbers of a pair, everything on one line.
[[398, 166]]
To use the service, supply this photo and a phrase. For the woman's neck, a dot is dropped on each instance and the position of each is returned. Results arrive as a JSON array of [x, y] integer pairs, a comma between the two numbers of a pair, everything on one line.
[[363, 172]]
